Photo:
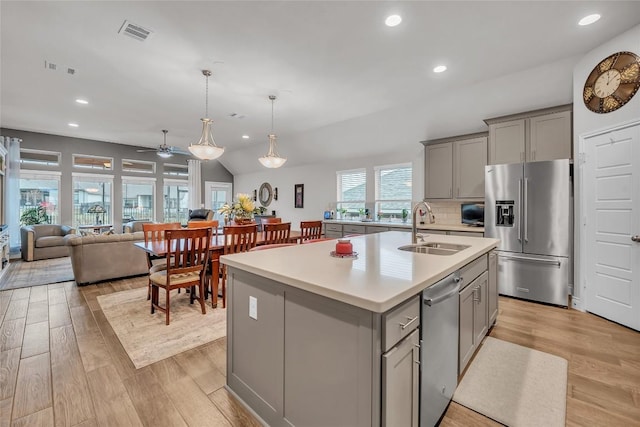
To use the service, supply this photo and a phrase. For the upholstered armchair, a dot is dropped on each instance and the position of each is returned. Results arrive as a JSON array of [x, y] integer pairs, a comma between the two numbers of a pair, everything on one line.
[[44, 241], [200, 214]]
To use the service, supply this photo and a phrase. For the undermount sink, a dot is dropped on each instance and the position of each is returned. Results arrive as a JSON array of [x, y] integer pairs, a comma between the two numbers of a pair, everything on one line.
[[434, 248]]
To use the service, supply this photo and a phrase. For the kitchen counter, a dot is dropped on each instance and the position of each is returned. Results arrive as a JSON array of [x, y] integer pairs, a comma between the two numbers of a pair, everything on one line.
[[377, 280], [407, 225]]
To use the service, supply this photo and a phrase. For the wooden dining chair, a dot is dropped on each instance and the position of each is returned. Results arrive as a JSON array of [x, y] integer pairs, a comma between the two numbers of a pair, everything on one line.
[[322, 239], [271, 220], [187, 258], [310, 230], [213, 224], [155, 233], [237, 238], [276, 233]]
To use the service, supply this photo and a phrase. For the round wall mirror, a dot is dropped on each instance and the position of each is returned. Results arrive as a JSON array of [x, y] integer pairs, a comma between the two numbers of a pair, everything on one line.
[[265, 194]]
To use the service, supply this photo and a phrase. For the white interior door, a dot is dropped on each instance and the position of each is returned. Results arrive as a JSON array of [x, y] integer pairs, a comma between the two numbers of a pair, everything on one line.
[[217, 194], [612, 212]]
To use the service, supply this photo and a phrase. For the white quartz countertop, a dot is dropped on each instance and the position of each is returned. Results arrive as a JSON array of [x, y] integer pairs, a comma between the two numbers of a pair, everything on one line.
[[377, 280], [407, 225]]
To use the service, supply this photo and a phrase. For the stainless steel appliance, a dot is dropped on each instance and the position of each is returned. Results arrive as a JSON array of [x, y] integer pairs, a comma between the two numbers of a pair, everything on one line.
[[438, 348], [529, 207]]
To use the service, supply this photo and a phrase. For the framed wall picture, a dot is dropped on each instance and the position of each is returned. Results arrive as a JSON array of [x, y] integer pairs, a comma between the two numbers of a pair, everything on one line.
[[298, 196]]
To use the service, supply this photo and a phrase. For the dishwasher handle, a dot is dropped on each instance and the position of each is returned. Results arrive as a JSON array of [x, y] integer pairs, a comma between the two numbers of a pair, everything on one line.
[[444, 289]]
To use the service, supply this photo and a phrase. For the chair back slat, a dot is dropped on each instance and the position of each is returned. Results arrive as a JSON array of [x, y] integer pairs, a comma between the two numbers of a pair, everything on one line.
[[240, 238], [187, 250], [277, 233], [310, 230]]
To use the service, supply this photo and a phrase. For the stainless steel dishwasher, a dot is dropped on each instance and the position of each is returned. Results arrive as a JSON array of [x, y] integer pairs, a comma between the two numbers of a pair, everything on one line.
[[438, 348]]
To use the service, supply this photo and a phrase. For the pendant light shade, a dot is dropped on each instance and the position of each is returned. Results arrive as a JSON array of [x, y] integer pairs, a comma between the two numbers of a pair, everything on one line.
[[206, 148], [272, 159]]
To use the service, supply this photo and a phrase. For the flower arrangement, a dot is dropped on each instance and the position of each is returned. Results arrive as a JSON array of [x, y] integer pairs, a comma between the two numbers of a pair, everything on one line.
[[242, 208]]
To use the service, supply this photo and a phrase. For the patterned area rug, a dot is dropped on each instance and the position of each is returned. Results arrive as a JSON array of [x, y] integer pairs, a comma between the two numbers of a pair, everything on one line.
[[21, 274], [146, 338], [515, 385]]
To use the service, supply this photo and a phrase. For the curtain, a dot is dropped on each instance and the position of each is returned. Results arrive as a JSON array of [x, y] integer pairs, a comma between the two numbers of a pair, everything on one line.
[[12, 198], [195, 184]]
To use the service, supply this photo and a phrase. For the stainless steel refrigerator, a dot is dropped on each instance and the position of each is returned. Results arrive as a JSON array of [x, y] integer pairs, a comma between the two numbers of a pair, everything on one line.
[[529, 207]]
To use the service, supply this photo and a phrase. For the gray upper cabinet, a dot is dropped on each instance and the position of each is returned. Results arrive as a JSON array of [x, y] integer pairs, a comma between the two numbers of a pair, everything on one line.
[[439, 171], [470, 158], [531, 136], [454, 167]]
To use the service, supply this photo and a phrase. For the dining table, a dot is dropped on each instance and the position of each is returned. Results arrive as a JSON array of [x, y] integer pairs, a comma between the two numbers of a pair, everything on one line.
[[158, 248]]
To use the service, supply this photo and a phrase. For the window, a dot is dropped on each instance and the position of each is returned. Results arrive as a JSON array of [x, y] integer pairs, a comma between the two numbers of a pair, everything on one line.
[[217, 194], [92, 162], [138, 166], [393, 190], [138, 199], [40, 190], [92, 195], [176, 201], [176, 170], [352, 191], [40, 158]]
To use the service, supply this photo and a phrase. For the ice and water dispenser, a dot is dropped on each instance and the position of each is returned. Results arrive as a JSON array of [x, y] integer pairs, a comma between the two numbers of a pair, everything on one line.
[[504, 213]]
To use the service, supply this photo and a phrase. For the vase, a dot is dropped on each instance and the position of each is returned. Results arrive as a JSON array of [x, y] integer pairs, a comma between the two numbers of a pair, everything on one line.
[[242, 220]]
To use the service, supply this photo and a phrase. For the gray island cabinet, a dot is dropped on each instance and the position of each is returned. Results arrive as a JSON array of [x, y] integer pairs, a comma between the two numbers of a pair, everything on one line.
[[314, 340]]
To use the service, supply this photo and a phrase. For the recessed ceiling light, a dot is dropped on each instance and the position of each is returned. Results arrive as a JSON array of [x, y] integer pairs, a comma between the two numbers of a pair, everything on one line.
[[588, 20], [440, 68], [245, 136], [393, 20], [74, 125], [82, 101]]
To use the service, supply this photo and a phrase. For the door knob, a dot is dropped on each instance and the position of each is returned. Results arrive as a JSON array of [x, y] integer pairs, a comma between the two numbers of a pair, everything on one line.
[[635, 238]]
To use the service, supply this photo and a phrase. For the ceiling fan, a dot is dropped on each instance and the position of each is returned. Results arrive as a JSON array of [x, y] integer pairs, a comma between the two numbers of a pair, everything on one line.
[[165, 151]]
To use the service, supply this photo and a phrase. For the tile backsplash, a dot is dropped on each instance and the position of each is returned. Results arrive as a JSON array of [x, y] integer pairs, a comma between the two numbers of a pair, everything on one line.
[[446, 212]]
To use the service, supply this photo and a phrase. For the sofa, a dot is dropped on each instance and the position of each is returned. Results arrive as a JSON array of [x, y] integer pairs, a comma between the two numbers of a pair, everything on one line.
[[43, 241], [133, 226], [95, 258]]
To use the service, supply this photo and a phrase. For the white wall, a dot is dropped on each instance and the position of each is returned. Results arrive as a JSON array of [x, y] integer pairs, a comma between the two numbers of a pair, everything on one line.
[[586, 121], [320, 184]]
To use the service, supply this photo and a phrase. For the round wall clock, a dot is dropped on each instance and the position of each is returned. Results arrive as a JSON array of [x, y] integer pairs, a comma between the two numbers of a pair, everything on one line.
[[612, 83]]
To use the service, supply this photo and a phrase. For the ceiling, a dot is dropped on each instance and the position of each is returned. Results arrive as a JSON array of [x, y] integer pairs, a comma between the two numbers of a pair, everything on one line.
[[327, 62]]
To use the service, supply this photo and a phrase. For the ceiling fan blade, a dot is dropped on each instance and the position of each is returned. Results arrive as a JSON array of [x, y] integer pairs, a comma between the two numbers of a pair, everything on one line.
[[147, 150], [178, 150]]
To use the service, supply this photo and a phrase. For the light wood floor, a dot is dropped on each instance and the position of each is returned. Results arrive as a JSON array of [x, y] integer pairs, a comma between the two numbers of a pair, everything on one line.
[[61, 364]]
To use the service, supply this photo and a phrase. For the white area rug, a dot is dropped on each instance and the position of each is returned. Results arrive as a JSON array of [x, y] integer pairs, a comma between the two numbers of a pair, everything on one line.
[[515, 385], [146, 338]]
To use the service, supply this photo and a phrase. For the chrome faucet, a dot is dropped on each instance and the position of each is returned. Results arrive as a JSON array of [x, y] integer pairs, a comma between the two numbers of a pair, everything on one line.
[[414, 229]]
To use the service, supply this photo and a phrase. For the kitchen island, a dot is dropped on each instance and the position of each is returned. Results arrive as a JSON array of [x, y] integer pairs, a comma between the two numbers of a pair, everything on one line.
[[306, 332]]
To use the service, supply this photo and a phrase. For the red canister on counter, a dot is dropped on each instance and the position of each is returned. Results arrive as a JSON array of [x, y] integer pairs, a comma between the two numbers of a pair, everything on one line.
[[344, 247]]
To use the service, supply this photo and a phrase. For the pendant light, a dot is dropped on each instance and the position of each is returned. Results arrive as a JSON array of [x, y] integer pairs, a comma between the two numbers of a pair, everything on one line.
[[206, 148], [272, 159]]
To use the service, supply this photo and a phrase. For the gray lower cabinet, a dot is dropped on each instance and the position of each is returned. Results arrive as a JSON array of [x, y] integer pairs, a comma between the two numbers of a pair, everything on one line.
[[333, 230], [492, 302], [307, 360], [400, 383], [473, 318]]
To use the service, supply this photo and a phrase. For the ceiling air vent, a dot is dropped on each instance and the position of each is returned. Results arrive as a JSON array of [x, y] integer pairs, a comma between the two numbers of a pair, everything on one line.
[[135, 31]]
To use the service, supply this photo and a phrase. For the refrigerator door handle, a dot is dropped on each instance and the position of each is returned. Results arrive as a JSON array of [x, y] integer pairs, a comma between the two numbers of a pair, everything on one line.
[[530, 259], [525, 208], [518, 217]]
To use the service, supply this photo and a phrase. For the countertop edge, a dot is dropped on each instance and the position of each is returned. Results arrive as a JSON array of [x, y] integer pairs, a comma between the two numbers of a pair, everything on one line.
[[367, 304]]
